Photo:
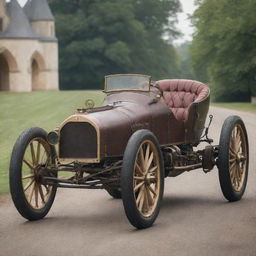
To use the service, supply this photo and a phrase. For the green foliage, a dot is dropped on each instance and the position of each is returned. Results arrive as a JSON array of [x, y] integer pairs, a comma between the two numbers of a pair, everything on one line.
[[223, 49], [185, 60], [99, 37]]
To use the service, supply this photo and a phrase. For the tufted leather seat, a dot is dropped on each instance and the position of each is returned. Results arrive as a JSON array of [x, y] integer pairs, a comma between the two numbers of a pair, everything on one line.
[[179, 94]]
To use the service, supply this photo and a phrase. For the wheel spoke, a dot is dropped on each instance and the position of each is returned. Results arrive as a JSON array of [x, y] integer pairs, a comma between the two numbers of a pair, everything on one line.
[[152, 169], [233, 171], [32, 189], [47, 160], [36, 195], [139, 196], [232, 165], [41, 193], [149, 161], [237, 139], [33, 153], [138, 178], [235, 131], [32, 175], [47, 189], [237, 177], [233, 178], [28, 164], [38, 153], [142, 160], [232, 160], [28, 185], [139, 169], [147, 153], [240, 172], [146, 200], [150, 199], [152, 190], [138, 186], [239, 145], [142, 200], [232, 151]]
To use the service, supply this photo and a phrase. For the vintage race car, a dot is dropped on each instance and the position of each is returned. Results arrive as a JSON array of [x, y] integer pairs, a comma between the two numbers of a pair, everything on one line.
[[144, 131]]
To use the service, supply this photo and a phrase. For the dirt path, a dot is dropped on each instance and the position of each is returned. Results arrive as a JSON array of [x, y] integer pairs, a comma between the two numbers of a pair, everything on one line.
[[194, 219]]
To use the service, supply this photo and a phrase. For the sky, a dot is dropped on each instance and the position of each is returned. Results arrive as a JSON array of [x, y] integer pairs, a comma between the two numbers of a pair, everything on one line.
[[183, 25]]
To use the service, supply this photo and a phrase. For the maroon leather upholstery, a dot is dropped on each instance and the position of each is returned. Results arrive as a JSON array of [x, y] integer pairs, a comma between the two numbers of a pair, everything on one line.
[[179, 94]]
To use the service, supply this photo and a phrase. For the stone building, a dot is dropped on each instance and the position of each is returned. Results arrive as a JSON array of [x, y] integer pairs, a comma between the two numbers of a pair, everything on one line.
[[28, 47]]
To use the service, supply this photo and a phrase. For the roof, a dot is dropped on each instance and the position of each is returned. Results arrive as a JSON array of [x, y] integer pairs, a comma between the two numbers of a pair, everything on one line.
[[19, 26], [38, 10], [27, 7]]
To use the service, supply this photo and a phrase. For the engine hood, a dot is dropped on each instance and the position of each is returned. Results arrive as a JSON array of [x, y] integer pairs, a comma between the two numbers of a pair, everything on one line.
[[120, 116]]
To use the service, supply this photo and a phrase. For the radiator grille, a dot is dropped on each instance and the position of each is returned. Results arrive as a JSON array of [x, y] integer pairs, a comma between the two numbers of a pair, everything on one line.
[[78, 140]]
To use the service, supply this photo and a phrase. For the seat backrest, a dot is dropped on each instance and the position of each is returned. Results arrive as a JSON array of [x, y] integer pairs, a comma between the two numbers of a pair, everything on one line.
[[179, 94]]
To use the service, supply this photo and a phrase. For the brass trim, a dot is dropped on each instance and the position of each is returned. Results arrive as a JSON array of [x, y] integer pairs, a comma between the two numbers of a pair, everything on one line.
[[81, 118], [126, 90]]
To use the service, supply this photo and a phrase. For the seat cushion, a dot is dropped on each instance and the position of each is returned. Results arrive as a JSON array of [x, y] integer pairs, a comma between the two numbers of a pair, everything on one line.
[[179, 94]]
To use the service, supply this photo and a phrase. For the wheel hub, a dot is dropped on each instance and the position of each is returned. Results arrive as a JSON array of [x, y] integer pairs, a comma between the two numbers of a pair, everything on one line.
[[240, 158]]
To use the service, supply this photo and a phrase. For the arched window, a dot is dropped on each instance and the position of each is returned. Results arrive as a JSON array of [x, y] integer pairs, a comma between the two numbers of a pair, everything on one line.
[[1, 24], [37, 72], [35, 76], [4, 74]]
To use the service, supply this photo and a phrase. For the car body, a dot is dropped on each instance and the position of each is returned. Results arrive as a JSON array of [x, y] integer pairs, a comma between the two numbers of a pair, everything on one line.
[[126, 111], [143, 132]]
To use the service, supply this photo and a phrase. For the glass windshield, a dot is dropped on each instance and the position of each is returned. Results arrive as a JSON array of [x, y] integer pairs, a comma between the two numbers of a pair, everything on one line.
[[127, 83]]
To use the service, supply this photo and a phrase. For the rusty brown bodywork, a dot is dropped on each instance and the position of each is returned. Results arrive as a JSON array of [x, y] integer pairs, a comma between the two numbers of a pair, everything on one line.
[[121, 115]]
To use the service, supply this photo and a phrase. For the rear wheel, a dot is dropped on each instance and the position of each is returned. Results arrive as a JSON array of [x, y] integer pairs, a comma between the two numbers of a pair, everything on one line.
[[31, 152], [233, 158], [142, 179]]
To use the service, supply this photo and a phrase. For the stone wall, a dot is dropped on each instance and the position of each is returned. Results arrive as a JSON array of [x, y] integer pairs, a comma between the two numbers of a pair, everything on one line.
[[20, 54]]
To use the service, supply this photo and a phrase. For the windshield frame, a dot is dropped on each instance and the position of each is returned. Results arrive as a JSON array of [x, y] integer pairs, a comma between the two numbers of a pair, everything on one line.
[[127, 90]]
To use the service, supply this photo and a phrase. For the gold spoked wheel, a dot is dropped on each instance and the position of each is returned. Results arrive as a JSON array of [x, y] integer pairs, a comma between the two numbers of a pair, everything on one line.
[[37, 155], [142, 179], [146, 178], [31, 154], [233, 158], [238, 159]]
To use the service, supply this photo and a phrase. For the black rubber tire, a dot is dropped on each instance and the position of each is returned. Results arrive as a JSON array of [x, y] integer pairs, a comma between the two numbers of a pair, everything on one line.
[[115, 193], [15, 173], [223, 159], [132, 213]]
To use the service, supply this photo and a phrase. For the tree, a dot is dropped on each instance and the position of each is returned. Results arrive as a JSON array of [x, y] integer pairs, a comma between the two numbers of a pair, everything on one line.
[[223, 49], [99, 37], [185, 60]]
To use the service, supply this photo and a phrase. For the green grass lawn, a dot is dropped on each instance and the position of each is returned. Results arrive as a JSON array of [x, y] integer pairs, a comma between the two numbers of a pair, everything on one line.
[[249, 107], [19, 111]]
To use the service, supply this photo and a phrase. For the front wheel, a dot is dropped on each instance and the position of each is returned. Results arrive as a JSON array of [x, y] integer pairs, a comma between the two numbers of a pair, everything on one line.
[[233, 158], [31, 153], [142, 179]]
